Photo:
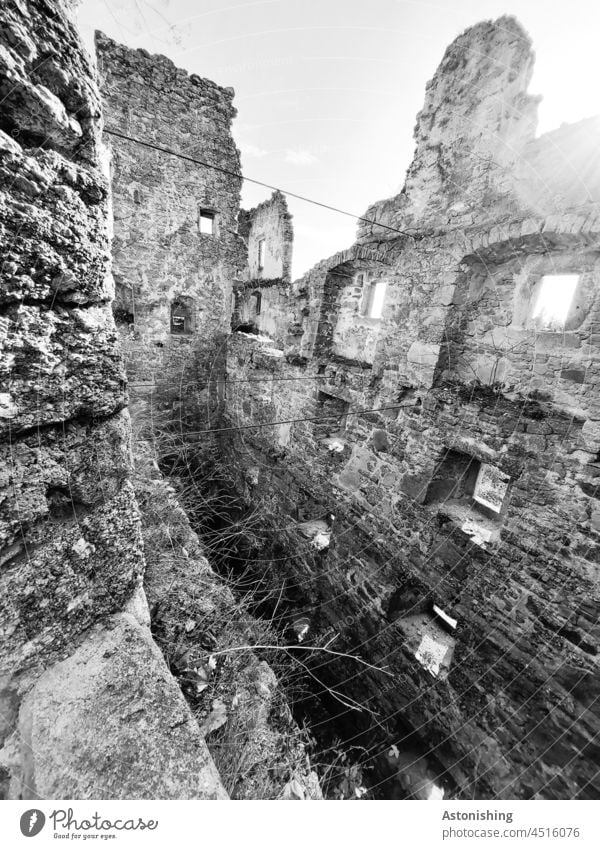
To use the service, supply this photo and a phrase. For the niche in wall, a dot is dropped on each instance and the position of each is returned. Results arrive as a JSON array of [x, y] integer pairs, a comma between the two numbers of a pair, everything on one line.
[[430, 642], [334, 414], [473, 494]]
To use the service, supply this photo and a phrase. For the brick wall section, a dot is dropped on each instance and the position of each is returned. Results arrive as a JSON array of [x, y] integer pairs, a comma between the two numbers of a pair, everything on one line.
[[468, 378]]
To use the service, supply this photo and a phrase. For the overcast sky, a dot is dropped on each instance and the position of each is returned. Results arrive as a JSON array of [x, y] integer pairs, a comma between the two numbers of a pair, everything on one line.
[[327, 91]]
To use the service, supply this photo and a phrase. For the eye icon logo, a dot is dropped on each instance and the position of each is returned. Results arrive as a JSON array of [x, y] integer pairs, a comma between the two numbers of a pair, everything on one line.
[[32, 822]]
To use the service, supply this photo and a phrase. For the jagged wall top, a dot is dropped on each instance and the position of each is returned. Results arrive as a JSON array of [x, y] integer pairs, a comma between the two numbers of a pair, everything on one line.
[[475, 122]]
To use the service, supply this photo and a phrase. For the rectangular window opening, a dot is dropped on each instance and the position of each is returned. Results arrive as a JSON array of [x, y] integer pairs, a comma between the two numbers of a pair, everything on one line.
[[261, 254], [374, 299], [207, 222], [554, 298], [181, 316]]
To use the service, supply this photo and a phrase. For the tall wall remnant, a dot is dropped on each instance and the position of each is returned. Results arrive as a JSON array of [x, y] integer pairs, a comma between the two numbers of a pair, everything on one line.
[[83, 689], [176, 248], [460, 455], [262, 295]]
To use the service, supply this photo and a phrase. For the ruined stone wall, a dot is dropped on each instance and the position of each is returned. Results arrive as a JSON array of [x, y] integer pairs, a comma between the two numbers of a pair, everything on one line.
[[455, 375], [165, 256], [262, 300], [87, 705], [471, 133], [271, 221]]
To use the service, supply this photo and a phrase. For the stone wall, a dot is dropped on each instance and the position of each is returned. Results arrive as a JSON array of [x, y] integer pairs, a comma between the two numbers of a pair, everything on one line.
[[176, 248], [387, 423], [175, 363], [262, 300], [72, 723]]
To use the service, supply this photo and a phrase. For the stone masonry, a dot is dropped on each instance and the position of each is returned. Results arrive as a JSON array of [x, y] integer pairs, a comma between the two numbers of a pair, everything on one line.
[[176, 247], [72, 723], [262, 296], [458, 379]]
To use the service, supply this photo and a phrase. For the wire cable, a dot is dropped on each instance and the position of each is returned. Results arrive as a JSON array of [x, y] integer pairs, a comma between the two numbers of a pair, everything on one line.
[[293, 421], [237, 174]]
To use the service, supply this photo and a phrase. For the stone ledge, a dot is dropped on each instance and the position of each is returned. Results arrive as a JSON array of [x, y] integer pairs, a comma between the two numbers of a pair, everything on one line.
[[110, 723]]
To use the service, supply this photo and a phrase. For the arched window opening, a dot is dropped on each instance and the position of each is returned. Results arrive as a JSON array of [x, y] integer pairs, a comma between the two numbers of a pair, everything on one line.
[[257, 301]]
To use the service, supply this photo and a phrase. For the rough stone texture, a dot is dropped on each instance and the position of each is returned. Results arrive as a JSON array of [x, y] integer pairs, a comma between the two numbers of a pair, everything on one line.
[[258, 748], [262, 298], [271, 221], [71, 547], [108, 723], [455, 373], [160, 255]]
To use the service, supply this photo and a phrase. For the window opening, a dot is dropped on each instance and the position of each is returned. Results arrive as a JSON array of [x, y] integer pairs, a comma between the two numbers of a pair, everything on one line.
[[554, 299], [207, 222], [261, 254]]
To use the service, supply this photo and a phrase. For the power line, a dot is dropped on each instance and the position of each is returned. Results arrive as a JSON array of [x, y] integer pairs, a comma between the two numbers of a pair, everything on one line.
[[229, 382], [294, 421], [231, 173], [200, 380]]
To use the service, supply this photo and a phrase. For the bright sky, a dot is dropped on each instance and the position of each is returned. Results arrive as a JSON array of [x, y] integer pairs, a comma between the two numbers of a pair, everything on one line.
[[327, 91]]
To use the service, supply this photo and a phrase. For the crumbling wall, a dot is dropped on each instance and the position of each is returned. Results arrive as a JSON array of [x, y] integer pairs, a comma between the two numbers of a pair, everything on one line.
[[176, 250], [269, 221], [262, 299], [470, 134], [73, 724], [455, 377]]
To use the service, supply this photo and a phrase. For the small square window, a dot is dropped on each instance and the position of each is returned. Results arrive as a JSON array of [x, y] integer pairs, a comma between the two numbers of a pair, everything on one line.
[[207, 222], [554, 297], [261, 254], [374, 298]]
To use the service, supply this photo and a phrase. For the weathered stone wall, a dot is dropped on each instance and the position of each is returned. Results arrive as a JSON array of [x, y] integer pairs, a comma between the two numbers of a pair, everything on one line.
[[271, 221], [470, 134], [176, 384], [161, 254], [71, 548], [262, 301], [455, 375]]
